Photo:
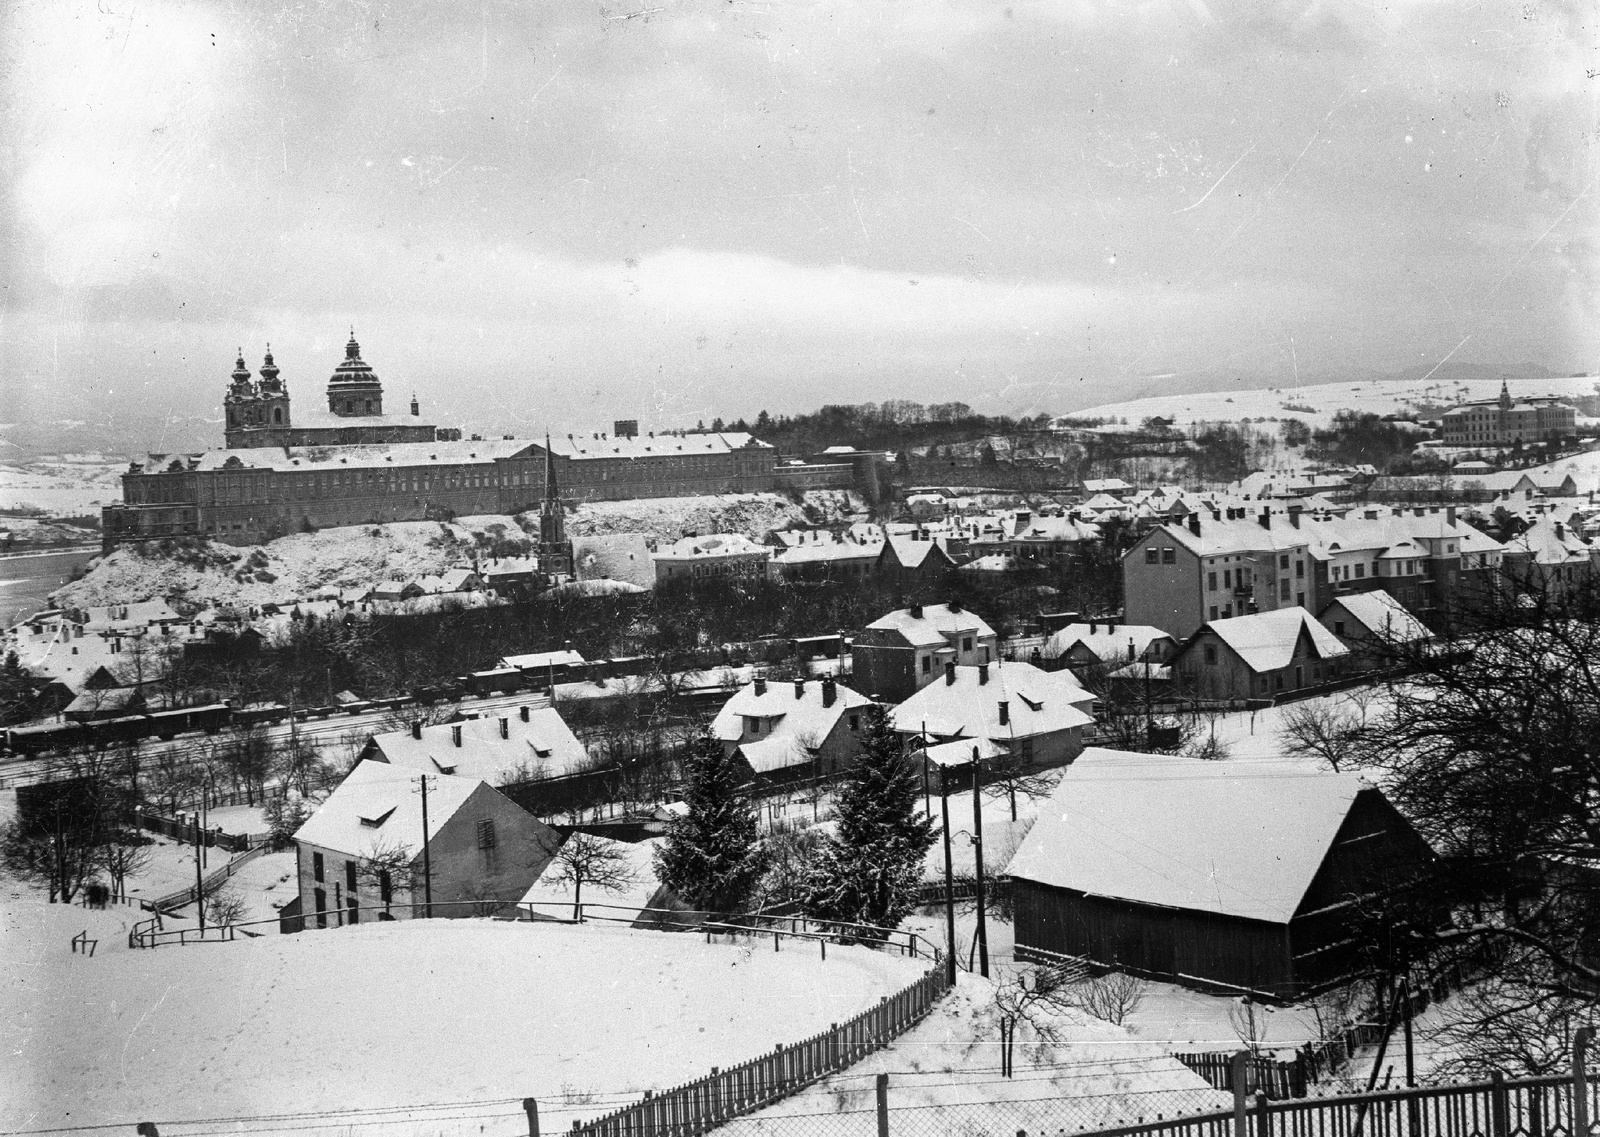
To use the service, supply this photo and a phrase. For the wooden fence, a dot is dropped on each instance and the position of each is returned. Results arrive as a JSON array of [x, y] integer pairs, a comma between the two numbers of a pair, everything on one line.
[[207, 884], [1525, 1107], [183, 831], [702, 1105]]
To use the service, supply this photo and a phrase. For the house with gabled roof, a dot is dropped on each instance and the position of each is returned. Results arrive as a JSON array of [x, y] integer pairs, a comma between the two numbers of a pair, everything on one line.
[[1096, 644], [360, 856], [1258, 656], [1549, 557], [798, 727], [896, 655], [1233, 876], [1037, 716], [522, 744], [915, 557], [1372, 625]]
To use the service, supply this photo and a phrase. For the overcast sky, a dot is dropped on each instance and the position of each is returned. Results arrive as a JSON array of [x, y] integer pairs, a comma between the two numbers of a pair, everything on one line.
[[543, 212]]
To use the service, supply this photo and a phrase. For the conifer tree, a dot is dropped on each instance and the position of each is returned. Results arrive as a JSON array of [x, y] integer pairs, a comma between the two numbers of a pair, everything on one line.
[[869, 870], [711, 856]]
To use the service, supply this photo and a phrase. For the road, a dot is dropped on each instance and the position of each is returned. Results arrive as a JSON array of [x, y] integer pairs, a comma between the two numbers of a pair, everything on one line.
[[330, 736]]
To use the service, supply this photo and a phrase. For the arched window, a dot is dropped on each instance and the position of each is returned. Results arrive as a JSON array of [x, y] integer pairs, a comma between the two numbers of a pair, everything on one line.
[[369, 406], [277, 414], [348, 406]]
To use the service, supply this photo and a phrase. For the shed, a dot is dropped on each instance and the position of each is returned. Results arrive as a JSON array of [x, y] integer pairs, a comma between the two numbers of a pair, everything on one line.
[[1245, 876]]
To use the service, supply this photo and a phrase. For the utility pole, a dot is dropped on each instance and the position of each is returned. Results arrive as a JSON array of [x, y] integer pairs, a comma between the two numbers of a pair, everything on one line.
[[977, 855], [949, 888], [427, 864], [199, 882]]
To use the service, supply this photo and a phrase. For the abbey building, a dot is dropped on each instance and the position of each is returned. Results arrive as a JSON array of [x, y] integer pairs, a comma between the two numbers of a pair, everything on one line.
[[288, 470]]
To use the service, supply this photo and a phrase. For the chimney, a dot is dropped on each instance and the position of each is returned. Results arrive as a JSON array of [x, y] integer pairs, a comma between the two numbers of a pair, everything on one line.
[[949, 674], [1194, 524], [830, 692], [1005, 712], [761, 686], [524, 714], [455, 734], [1216, 515], [954, 606], [799, 688], [1294, 516], [505, 728], [983, 674], [916, 611], [416, 729], [1450, 515], [1561, 531], [1130, 649], [1266, 519]]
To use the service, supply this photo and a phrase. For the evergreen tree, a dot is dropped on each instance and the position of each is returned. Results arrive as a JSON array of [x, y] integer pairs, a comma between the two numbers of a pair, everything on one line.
[[869, 870], [716, 426], [711, 856], [19, 692], [763, 421]]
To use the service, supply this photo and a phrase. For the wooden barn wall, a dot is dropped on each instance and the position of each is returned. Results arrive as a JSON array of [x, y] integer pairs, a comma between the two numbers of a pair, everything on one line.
[[1167, 943], [1375, 851]]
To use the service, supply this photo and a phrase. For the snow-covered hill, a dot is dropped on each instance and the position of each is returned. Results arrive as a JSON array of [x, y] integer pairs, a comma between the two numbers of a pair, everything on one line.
[[295, 566], [1316, 405], [435, 1014]]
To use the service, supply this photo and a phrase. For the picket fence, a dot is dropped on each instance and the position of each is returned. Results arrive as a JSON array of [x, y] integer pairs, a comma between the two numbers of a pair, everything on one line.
[[702, 1105], [208, 884]]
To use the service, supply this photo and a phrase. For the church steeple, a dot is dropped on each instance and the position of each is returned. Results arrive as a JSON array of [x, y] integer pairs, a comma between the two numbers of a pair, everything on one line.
[[269, 372], [555, 553], [241, 374], [1505, 396], [354, 389]]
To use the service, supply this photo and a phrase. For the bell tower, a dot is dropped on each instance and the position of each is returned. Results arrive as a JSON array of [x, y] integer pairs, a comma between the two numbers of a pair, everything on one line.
[[274, 395], [555, 551]]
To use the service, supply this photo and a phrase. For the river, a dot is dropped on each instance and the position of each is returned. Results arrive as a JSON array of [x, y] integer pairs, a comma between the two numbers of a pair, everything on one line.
[[27, 581]]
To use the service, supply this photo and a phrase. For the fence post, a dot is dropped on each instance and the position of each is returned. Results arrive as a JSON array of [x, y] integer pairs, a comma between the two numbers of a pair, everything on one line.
[[1239, 1077], [883, 1105], [1580, 1083], [532, 1108], [1263, 1118], [1499, 1106]]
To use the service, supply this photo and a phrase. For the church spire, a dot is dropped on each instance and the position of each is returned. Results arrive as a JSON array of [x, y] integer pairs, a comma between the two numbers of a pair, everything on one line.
[[1505, 396]]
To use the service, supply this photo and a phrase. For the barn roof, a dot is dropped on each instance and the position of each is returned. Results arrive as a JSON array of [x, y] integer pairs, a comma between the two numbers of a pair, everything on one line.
[[1266, 640], [379, 804], [1239, 839]]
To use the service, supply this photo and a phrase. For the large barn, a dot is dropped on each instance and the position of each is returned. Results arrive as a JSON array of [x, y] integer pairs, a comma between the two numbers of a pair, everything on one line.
[[1241, 876]]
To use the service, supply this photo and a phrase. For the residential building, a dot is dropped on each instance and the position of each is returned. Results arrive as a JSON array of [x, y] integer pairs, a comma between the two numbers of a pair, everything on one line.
[[914, 558], [820, 554], [1505, 420], [516, 745], [1114, 487], [1258, 656], [1372, 625], [360, 856], [1037, 716], [1550, 559], [1240, 877], [797, 727], [1095, 645], [899, 654], [725, 555]]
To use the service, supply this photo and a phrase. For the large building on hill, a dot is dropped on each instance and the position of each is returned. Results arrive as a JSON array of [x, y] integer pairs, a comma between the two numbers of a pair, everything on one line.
[[1504, 421], [351, 464]]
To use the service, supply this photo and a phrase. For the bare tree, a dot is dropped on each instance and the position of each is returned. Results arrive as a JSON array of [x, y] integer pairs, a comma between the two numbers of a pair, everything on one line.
[[586, 859], [126, 854], [385, 868], [1510, 1022], [1318, 730], [1112, 997], [1250, 1022], [1011, 774], [225, 906]]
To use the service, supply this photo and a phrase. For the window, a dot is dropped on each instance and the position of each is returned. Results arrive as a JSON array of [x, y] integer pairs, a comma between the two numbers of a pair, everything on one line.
[[486, 833], [1211, 654], [966, 643], [316, 866], [1227, 611], [1361, 571], [1299, 568], [1211, 582], [1152, 556], [1283, 561], [351, 908], [1213, 615], [321, 899], [349, 876], [1227, 578], [855, 722], [1300, 599], [1169, 556], [1338, 627], [927, 664], [1277, 681]]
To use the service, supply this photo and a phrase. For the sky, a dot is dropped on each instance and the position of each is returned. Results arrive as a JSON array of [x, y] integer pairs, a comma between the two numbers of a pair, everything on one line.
[[544, 213]]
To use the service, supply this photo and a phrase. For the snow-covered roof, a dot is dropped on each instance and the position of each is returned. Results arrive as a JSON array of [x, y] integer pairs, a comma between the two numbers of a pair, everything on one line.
[[1237, 838], [932, 625], [1037, 703], [1383, 616], [1550, 542], [959, 751], [535, 659], [637, 861], [1104, 485], [580, 447], [379, 803], [329, 459], [910, 551], [711, 546], [819, 552], [793, 709], [543, 746], [1110, 642], [1266, 640]]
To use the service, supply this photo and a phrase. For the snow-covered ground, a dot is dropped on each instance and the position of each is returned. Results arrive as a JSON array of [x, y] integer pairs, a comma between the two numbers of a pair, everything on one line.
[[1316, 405], [437, 1015], [1092, 1074], [63, 485], [295, 566]]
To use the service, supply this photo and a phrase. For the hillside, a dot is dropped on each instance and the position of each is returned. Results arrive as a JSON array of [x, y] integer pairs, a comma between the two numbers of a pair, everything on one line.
[[382, 1016], [297, 565], [1316, 405]]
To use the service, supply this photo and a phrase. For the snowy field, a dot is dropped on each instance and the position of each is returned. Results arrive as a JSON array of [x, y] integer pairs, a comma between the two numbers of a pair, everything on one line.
[[65, 485], [433, 1015], [1316, 405]]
